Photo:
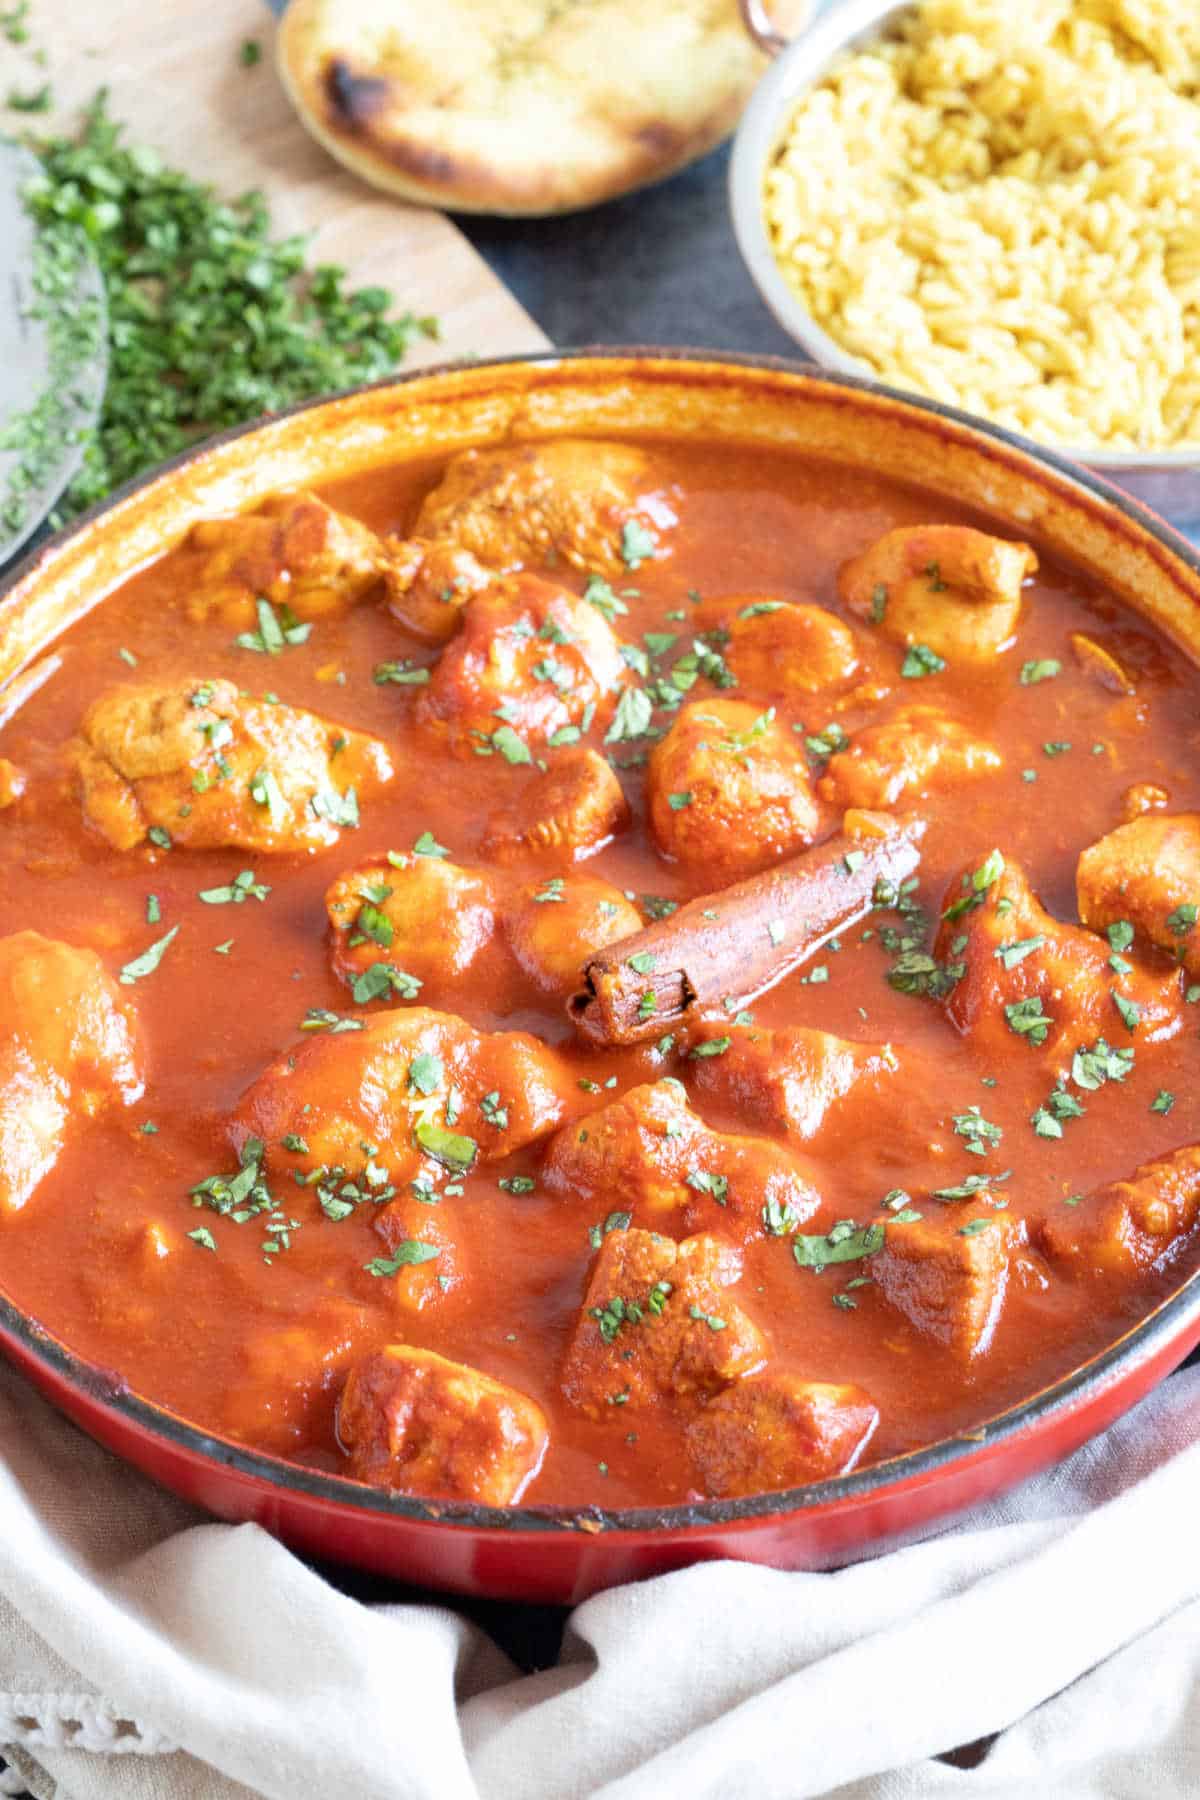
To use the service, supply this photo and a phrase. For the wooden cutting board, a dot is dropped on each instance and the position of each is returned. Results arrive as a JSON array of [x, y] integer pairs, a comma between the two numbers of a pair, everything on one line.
[[174, 77]]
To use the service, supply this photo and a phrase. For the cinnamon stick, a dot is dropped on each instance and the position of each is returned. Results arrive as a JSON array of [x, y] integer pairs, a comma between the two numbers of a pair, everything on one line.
[[735, 944]]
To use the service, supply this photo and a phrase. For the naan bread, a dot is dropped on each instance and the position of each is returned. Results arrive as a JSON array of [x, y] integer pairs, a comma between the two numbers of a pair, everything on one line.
[[516, 106]]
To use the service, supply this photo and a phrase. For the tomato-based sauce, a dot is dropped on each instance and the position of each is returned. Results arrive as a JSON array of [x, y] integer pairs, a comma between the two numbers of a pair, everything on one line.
[[249, 1326]]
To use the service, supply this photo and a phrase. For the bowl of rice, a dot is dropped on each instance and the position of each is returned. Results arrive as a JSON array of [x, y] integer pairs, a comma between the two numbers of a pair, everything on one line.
[[996, 204]]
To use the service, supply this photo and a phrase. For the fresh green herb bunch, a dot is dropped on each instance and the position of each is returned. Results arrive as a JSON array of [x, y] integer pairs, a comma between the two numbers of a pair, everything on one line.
[[211, 321]]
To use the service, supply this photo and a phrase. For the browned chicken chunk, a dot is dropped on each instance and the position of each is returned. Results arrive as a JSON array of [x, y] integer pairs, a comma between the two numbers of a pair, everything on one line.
[[669, 1168], [199, 764], [399, 922], [1026, 975], [294, 551], [531, 667], [953, 589], [947, 1274], [909, 756], [411, 1089], [791, 1079], [572, 809], [658, 1323], [68, 1051], [729, 790], [422, 1262], [495, 511], [554, 925], [775, 649], [418, 1423], [1127, 1226], [775, 1430], [1148, 873]]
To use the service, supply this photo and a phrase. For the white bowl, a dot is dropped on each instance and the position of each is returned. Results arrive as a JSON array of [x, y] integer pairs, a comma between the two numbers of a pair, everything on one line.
[[1168, 481]]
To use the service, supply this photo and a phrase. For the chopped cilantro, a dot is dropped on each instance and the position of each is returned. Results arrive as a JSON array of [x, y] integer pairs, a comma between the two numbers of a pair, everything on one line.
[[921, 661], [407, 1254], [148, 961], [1027, 1019], [846, 1242], [638, 545]]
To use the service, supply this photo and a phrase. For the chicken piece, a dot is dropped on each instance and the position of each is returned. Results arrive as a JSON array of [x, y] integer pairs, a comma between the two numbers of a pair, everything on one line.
[[955, 590], [68, 1051], [776, 649], [293, 551], [384, 1095], [13, 782], [669, 1168], [496, 511], [530, 662], [903, 759], [418, 1423], [729, 790], [1148, 873], [791, 1079], [947, 1274], [279, 1395], [573, 808], [1026, 975], [553, 927], [657, 1324], [422, 1260], [414, 918], [775, 1431], [198, 764], [1126, 1227]]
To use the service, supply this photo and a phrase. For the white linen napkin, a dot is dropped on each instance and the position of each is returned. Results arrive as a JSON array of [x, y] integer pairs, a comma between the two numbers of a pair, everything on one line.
[[150, 1655]]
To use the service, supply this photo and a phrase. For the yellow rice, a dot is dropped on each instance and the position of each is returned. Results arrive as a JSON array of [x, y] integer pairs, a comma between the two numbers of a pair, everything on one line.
[[999, 206]]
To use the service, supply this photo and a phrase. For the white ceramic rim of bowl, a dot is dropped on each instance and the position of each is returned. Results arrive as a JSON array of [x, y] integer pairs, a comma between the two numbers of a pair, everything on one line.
[[797, 68]]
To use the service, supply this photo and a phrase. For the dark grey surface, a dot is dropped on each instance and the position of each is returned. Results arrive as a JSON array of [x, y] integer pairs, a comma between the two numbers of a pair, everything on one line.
[[657, 267]]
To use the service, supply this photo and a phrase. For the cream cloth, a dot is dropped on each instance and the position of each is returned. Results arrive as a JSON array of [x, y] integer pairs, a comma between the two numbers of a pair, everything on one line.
[[147, 1654]]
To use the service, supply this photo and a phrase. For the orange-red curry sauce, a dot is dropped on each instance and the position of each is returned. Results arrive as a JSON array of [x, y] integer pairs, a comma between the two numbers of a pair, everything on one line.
[[234, 986]]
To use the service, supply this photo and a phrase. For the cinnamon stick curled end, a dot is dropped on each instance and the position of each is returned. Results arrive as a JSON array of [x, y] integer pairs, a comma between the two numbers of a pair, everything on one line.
[[736, 944]]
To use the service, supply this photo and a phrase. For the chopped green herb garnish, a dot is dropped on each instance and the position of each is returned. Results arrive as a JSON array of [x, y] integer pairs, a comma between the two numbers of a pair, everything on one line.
[[276, 630], [148, 961], [638, 545], [401, 674], [846, 1242], [921, 661], [1130, 1013], [448, 1147], [1039, 669], [409, 1253], [1027, 1019], [382, 980], [426, 1073], [242, 887], [1012, 954], [977, 885], [632, 717]]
